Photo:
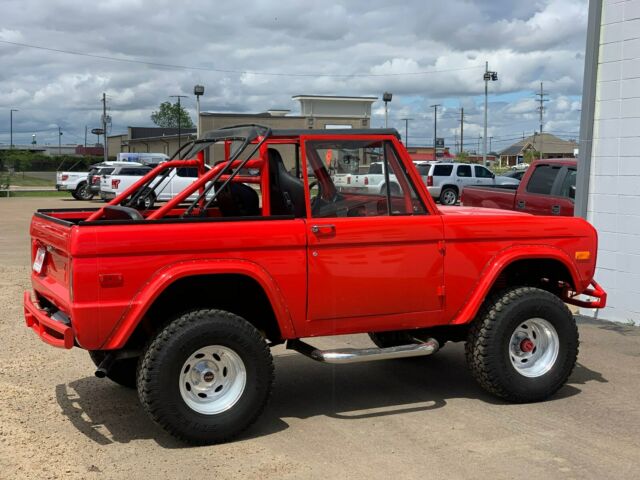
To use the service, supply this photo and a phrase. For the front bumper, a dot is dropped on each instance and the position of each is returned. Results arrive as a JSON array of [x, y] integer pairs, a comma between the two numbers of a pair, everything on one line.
[[50, 330], [595, 291]]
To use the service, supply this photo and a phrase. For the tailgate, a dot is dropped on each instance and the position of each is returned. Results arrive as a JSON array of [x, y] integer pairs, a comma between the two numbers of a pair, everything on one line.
[[53, 236]]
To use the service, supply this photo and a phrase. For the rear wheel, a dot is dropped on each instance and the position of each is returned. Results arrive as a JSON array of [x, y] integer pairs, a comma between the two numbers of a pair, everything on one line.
[[449, 196], [206, 376], [122, 372], [523, 346], [83, 192]]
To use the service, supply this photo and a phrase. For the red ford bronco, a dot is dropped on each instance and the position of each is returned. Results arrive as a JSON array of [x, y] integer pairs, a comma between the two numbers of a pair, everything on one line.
[[183, 298]]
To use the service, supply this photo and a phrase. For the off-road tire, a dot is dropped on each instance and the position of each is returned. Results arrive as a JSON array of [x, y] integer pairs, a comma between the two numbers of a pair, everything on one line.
[[445, 196], [487, 347], [122, 372], [161, 366]]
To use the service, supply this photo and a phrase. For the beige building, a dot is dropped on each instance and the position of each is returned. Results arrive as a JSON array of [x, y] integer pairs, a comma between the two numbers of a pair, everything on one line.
[[318, 112]]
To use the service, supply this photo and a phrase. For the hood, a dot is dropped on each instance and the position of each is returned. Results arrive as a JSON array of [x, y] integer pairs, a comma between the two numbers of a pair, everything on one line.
[[479, 211]]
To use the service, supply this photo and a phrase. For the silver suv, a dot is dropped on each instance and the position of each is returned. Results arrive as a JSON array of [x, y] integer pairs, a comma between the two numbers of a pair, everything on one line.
[[445, 181]]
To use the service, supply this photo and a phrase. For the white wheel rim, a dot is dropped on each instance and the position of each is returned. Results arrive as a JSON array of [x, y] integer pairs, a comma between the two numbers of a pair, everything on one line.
[[212, 380], [449, 197], [534, 347]]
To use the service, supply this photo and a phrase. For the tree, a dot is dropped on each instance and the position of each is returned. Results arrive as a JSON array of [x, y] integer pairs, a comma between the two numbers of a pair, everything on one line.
[[167, 116], [462, 156], [531, 155]]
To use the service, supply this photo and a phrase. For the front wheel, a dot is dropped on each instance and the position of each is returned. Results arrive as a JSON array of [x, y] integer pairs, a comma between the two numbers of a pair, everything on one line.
[[523, 346], [206, 376]]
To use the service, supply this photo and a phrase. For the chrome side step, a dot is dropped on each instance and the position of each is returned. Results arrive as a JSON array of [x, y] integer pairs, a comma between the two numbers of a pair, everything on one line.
[[356, 355]]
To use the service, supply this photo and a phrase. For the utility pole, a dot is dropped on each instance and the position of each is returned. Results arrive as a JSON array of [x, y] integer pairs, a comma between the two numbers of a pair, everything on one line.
[[59, 141], [85, 137], [179, 116], [435, 128], [406, 131], [488, 76], [490, 138], [461, 130], [105, 148], [541, 98], [479, 138], [11, 122]]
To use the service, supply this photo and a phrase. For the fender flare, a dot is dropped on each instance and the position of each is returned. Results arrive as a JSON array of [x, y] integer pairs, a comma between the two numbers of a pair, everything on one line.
[[169, 274], [501, 261]]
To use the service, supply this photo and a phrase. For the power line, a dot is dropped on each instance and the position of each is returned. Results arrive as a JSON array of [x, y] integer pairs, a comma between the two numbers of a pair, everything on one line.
[[240, 72]]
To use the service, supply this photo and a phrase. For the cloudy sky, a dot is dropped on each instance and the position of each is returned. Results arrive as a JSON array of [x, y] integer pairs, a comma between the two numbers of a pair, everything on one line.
[[254, 55]]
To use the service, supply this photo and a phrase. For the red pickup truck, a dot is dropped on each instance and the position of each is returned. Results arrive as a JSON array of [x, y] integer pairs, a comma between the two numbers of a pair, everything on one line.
[[183, 300], [547, 188]]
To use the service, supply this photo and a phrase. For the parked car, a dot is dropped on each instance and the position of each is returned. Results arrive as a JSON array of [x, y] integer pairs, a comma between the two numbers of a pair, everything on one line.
[[547, 188], [118, 178], [185, 303], [122, 178], [446, 181], [74, 182], [98, 170], [374, 181]]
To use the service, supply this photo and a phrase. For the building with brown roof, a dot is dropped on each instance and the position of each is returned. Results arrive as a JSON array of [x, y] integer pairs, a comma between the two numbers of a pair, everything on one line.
[[546, 144]]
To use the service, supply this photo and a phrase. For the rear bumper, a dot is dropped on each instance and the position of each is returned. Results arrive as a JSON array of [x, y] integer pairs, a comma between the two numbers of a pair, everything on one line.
[[435, 191], [50, 331], [595, 291], [61, 187]]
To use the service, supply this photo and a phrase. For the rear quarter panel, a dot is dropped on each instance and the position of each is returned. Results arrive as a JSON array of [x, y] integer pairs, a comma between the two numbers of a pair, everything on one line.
[[146, 255]]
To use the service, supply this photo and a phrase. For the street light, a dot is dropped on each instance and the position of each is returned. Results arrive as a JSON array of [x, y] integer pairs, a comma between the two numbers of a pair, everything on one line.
[[488, 77], [198, 91], [11, 122], [386, 98]]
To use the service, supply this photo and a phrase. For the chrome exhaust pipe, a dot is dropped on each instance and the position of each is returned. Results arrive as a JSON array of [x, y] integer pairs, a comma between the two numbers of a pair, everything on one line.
[[357, 355]]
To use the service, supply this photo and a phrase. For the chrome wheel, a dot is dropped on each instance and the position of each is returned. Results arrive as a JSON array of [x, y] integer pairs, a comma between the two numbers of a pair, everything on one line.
[[449, 197], [534, 347], [212, 380]]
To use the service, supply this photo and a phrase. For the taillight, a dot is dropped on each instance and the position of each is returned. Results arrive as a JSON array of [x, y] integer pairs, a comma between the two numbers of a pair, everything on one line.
[[429, 181], [95, 180], [115, 183], [366, 180], [64, 177], [349, 180]]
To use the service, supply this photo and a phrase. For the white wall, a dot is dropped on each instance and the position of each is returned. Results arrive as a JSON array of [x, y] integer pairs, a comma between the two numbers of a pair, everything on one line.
[[614, 183]]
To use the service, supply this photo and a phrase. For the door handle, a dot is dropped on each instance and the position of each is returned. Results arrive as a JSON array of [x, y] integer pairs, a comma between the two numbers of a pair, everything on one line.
[[323, 229], [555, 209], [522, 204]]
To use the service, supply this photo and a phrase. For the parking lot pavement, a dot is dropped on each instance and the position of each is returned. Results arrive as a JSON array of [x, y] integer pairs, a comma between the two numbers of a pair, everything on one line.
[[406, 419]]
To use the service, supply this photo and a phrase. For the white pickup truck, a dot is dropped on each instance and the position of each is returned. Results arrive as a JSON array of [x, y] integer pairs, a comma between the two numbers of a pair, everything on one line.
[[74, 182], [123, 176], [371, 182]]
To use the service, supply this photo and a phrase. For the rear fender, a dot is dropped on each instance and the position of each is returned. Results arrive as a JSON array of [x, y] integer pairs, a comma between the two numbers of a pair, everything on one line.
[[501, 261], [166, 276]]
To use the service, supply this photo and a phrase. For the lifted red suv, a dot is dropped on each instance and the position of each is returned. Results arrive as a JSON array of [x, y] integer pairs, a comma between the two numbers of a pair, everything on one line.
[[184, 300]]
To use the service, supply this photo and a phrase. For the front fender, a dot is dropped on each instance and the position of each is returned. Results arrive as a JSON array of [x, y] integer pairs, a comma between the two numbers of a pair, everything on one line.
[[501, 261], [167, 275]]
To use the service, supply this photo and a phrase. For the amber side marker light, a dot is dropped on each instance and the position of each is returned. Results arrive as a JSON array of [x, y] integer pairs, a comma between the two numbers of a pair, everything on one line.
[[583, 256]]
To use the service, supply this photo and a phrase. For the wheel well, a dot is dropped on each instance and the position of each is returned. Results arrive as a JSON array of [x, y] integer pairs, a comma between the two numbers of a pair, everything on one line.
[[238, 294], [545, 273], [453, 187]]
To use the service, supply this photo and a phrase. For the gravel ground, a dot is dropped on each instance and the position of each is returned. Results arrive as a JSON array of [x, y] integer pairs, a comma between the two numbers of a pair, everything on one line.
[[402, 419]]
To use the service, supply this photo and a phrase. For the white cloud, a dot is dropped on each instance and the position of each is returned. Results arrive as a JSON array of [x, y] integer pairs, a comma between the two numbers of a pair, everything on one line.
[[525, 41]]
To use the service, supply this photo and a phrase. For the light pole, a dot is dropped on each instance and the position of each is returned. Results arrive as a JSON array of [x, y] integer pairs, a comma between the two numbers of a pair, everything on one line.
[[488, 77], [386, 98], [198, 91], [435, 128], [179, 117], [406, 131], [11, 122], [59, 141]]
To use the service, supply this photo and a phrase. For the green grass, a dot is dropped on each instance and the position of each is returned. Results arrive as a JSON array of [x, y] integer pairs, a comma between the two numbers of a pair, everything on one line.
[[49, 193], [21, 180]]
